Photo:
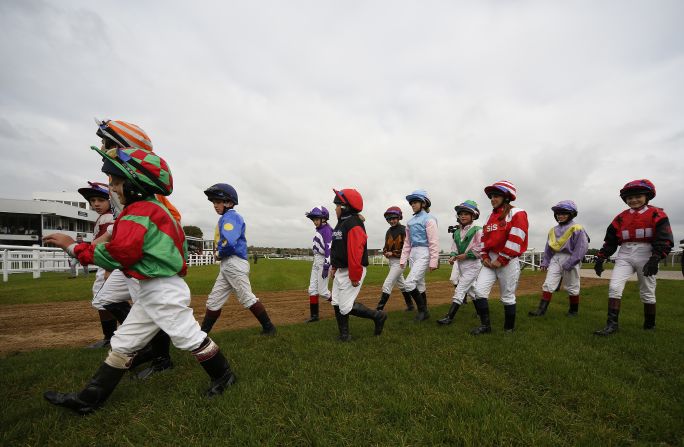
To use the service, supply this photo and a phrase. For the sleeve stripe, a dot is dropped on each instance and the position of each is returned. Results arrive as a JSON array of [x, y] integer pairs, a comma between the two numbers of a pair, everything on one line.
[[518, 232], [513, 246]]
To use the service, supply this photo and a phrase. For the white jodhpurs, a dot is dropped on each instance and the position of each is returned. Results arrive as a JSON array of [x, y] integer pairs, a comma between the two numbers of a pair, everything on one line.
[[631, 259], [233, 277], [394, 277], [317, 284], [162, 303], [343, 293], [507, 276], [555, 272], [468, 271], [419, 260]]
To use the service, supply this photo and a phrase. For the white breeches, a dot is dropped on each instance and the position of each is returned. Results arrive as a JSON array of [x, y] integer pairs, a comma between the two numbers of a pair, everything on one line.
[[467, 272], [507, 276], [419, 259], [394, 277], [555, 272], [233, 277], [162, 303], [317, 284], [631, 259], [343, 293], [116, 289]]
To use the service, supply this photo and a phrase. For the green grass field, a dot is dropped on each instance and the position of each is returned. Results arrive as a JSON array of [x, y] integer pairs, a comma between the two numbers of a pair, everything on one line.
[[550, 383]]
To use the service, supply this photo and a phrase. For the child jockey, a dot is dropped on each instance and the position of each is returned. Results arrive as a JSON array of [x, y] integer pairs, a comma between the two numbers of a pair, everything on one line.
[[234, 271], [465, 255], [421, 247], [318, 282], [644, 236], [97, 195], [394, 242], [566, 246], [148, 244], [349, 259], [504, 239]]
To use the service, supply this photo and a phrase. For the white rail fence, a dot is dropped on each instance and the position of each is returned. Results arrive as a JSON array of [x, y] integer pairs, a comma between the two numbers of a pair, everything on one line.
[[37, 260]]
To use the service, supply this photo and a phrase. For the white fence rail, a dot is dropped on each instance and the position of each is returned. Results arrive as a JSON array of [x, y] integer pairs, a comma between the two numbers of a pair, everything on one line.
[[16, 259], [37, 260]]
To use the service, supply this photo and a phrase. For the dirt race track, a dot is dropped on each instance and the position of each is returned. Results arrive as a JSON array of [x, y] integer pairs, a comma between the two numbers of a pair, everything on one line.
[[25, 327]]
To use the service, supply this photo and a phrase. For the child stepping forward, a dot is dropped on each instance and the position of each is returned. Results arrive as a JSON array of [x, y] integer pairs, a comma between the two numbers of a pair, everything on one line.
[[318, 282], [504, 239], [465, 255], [644, 236], [394, 242], [421, 248], [97, 195], [234, 271], [349, 258], [566, 246], [148, 244]]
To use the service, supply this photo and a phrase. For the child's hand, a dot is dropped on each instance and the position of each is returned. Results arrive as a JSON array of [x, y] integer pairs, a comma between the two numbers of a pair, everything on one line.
[[60, 240]]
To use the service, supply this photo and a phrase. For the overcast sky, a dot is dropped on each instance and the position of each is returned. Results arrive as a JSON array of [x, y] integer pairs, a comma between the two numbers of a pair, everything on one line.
[[286, 100]]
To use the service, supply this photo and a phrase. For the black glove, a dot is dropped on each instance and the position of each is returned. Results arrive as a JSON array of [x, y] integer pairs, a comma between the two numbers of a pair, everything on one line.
[[326, 269], [598, 265], [651, 266]]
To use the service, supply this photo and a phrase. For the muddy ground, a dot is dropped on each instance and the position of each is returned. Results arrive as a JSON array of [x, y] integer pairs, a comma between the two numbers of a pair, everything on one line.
[[25, 327]]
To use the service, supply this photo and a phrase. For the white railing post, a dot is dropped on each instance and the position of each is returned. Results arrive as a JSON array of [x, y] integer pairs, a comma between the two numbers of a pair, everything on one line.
[[35, 265], [5, 265]]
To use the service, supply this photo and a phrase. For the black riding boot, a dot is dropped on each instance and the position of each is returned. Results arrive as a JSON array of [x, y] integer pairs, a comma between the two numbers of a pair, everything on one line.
[[216, 365], [93, 395], [259, 311], [313, 309], [482, 308], [119, 310], [541, 310], [509, 315], [210, 317], [449, 317], [342, 325], [157, 351], [649, 316], [573, 310], [421, 304], [408, 300], [612, 321], [108, 323], [383, 300], [378, 316]]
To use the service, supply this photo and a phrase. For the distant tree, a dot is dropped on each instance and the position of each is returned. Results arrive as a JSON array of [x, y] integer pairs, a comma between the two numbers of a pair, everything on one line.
[[192, 231]]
